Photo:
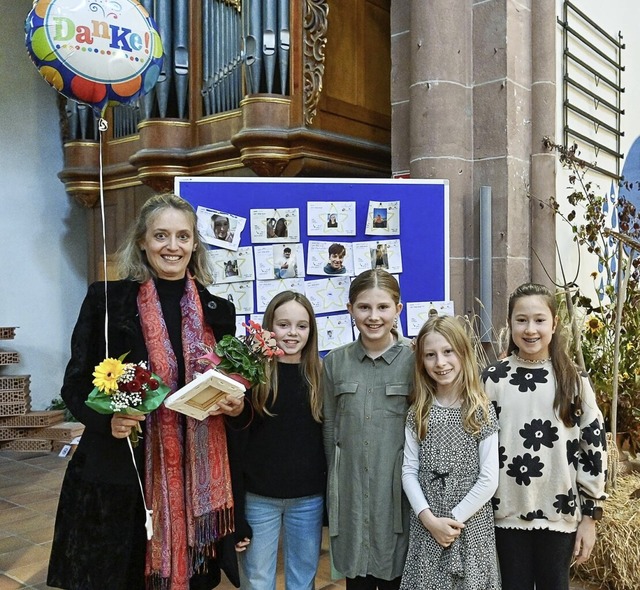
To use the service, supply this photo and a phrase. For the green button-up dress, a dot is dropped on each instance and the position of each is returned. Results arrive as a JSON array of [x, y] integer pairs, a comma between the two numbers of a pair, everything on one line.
[[365, 404]]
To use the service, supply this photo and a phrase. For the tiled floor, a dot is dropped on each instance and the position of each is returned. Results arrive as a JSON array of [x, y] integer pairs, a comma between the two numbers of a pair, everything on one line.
[[29, 487]]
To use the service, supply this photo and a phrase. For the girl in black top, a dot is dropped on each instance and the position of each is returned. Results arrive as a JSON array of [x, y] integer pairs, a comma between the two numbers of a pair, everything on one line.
[[284, 463]]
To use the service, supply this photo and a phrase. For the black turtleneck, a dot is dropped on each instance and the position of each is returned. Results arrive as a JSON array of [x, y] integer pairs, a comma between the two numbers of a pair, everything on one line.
[[170, 293]]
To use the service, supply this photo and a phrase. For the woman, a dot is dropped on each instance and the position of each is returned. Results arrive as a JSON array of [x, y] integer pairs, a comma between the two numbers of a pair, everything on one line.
[[160, 313]]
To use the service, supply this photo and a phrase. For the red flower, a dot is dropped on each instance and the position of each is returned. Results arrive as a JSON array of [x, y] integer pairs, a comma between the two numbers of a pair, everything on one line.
[[143, 374], [124, 386]]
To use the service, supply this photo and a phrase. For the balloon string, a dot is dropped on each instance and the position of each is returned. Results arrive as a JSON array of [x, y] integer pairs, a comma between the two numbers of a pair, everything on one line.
[[148, 521], [102, 127]]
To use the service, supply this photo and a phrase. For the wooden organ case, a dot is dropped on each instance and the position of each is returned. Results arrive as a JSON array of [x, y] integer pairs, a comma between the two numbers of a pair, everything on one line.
[[248, 88]]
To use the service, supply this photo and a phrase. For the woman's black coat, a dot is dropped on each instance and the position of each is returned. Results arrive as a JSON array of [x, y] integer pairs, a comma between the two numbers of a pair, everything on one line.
[[107, 459]]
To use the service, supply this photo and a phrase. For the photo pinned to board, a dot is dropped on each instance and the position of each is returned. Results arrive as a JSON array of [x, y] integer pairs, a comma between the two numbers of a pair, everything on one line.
[[280, 261], [240, 294], [383, 218], [267, 290], [331, 218], [327, 295], [232, 266], [418, 312], [275, 225], [330, 258], [288, 261], [334, 330], [218, 228], [384, 254]]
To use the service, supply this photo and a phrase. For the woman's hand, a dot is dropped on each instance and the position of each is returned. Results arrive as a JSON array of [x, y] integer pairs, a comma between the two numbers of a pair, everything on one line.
[[229, 406], [242, 545], [444, 530], [585, 540], [121, 424]]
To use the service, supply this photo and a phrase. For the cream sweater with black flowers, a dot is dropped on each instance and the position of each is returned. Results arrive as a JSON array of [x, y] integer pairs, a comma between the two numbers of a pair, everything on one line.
[[548, 471]]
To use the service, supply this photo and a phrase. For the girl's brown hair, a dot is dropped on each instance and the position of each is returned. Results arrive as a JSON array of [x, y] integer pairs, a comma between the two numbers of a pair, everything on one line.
[[467, 381], [132, 260], [568, 382], [370, 279], [266, 393]]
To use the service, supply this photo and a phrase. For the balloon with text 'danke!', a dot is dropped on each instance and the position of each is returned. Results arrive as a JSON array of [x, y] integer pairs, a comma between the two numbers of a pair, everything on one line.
[[100, 52]]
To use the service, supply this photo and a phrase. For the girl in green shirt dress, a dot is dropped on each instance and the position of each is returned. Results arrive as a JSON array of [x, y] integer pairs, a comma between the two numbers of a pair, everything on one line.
[[366, 385]]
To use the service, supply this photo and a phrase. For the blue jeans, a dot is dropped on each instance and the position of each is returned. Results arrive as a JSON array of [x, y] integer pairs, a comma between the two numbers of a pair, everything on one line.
[[302, 536]]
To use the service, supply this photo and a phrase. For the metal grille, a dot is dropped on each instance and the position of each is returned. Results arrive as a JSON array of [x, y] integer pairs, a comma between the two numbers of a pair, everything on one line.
[[592, 89]]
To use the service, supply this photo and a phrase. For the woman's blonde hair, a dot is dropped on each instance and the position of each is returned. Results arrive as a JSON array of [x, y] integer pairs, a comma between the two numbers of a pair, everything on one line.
[[467, 381], [132, 260], [310, 364]]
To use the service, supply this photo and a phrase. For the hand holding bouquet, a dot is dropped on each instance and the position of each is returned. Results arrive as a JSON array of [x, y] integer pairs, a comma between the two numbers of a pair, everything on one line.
[[126, 388], [244, 356]]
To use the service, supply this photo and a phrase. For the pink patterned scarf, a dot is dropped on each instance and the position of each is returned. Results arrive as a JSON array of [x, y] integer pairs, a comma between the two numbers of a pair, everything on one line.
[[187, 477]]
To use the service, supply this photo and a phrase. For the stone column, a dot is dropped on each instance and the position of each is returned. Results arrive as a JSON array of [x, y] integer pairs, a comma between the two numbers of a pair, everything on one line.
[[400, 82], [543, 162], [502, 136], [441, 124]]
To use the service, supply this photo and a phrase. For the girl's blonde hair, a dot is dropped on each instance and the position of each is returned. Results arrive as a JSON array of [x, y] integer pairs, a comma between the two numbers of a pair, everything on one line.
[[266, 393], [132, 260], [568, 383], [467, 381]]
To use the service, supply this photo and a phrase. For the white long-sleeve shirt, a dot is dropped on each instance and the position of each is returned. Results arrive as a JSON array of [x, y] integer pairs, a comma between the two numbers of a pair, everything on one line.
[[477, 496]]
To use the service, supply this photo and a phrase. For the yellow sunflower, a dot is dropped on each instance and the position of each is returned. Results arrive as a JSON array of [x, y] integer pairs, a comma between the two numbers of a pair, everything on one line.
[[594, 325], [106, 375]]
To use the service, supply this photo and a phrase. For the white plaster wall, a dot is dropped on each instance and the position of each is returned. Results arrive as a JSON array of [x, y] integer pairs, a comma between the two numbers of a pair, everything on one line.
[[43, 266], [613, 16]]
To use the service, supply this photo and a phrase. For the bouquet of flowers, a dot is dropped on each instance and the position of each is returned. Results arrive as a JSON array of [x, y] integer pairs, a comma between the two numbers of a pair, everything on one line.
[[244, 357], [127, 388]]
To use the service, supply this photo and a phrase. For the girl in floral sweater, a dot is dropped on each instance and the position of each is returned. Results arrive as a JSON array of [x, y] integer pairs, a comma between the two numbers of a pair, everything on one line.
[[552, 449]]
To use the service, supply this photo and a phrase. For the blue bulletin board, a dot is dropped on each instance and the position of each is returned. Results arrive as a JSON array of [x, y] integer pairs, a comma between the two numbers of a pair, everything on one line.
[[423, 214]]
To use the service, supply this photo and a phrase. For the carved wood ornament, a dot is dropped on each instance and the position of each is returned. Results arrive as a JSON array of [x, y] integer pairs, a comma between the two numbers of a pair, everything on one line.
[[315, 39]]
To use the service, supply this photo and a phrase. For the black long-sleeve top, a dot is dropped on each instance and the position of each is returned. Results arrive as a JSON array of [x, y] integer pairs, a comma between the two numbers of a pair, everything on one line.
[[285, 456]]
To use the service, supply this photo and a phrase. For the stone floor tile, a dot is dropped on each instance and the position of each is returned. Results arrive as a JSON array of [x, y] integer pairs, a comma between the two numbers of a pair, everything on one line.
[[14, 514], [7, 583], [12, 543], [24, 556], [31, 522], [31, 573]]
